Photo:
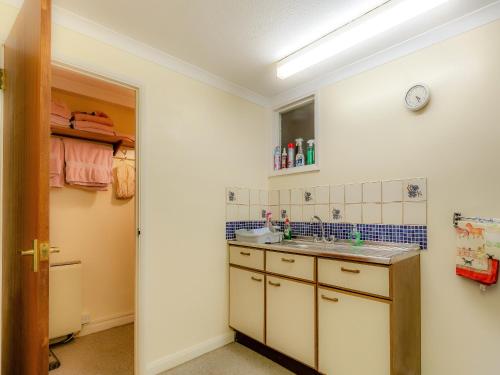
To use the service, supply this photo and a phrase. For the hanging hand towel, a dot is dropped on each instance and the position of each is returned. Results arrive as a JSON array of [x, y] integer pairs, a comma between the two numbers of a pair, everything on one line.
[[124, 180], [56, 162], [477, 247], [88, 164]]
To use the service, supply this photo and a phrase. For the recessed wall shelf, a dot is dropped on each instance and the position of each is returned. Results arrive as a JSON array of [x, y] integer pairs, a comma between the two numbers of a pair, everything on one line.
[[115, 141], [288, 171]]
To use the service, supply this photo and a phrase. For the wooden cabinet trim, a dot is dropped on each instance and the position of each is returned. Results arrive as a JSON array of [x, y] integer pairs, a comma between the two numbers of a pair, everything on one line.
[[355, 293]]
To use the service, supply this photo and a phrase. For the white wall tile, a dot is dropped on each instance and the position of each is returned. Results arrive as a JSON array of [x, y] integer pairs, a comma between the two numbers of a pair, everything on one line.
[[231, 195], [337, 194], [231, 212], [339, 213], [353, 193], [415, 213], [296, 196], [275, 212], [286, 209], [353, 213], [243, 196], [307, 212], [296, 212], [372, 192], [322, 194], [308, 196], [392, 191], [322, 210], [254, 197], [392, 213], [372, 213], [264, 197], [255, 213], [415, 190], [284, 196], [243, 212], [274, 197]]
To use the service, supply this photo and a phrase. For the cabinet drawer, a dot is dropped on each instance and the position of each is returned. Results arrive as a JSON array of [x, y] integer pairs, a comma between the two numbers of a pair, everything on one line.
[[354, 276], [246, 257], [300, 266]]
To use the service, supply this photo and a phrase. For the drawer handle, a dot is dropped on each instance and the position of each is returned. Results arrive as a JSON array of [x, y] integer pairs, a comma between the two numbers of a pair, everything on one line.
[[329, 299], [288, 260], [256, 279], [274, 284], [245, 254], [349, 270]]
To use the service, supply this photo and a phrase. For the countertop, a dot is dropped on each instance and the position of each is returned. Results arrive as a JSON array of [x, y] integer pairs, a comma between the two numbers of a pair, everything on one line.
[[370, 252]]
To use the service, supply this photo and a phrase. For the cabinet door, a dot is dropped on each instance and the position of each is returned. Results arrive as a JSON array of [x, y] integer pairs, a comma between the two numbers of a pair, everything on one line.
[[353, 334], [290, 318], [246, 302]]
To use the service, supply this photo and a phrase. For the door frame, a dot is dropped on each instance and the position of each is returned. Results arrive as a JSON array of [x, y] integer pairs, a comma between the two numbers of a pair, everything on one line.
[[139, 86]]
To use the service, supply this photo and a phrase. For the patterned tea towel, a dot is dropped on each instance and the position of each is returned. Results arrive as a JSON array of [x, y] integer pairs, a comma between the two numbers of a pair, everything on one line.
[[478, 251]]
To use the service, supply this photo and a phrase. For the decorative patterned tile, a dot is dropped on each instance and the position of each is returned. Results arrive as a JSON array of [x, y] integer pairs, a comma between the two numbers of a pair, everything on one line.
[[415, 190], [231, 195], [308, 196], [284, 211], [337, 213]]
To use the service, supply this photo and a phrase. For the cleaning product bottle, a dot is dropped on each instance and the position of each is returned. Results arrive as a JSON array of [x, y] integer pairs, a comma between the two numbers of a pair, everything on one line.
[[284, 159], [310, 152], [355, 236], [287, 233], [299, 159], [291, 155], [277, 158]]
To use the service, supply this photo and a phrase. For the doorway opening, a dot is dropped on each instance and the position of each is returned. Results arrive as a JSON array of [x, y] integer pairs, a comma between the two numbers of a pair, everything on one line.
[[93, 224]]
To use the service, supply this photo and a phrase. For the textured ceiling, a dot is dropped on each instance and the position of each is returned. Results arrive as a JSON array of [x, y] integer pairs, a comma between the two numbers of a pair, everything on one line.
[[240, 40]]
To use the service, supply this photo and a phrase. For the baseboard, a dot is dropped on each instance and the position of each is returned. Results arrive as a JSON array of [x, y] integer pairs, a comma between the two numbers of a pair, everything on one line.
[[175, 359], [106, 323]]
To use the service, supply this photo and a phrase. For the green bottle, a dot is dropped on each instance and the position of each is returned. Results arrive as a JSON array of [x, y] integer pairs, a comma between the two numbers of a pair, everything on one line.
[[310, 152], [287, 233]]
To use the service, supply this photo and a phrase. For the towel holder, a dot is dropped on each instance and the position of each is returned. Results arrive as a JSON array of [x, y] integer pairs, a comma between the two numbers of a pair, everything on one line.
[[457, 216]]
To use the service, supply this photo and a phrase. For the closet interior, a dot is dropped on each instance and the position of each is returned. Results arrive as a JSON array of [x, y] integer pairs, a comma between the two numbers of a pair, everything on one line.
[[92, 218]]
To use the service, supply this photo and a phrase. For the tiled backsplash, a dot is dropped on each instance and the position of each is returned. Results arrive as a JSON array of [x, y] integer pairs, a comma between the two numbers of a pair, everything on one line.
[[394, 210]]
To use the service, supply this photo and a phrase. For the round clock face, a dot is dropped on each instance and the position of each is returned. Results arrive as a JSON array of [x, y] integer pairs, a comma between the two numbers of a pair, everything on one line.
[[417, 97]]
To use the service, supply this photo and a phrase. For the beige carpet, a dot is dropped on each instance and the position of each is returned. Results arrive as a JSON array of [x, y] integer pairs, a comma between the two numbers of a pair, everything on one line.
[[232, 359], [109, 352]]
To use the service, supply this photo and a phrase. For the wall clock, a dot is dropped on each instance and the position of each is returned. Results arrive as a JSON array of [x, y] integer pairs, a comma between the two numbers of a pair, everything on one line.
[[417, 97]]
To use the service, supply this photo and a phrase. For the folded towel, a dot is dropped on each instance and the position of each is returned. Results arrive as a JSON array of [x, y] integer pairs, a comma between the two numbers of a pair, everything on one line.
[[98, 117], [88, 164], [56, 120], [92, 127], [58, 107], [56, 162]]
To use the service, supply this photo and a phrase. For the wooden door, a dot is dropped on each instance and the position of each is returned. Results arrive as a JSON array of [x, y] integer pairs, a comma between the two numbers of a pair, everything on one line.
[[290, 316], [353, 334], [246, 302], [26, 192]]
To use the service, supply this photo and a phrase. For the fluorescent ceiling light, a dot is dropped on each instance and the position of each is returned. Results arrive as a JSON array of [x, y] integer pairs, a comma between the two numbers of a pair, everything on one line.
[[381, 20]]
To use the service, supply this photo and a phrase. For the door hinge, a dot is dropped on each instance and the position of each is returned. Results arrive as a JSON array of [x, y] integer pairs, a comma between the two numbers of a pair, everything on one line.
[[2, 79]]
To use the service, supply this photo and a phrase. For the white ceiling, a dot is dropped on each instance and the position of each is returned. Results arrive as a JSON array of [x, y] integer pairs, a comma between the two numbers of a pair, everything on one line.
[[241, 40]]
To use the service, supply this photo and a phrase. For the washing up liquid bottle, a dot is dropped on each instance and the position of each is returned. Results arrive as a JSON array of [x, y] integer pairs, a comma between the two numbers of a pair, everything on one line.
[[310, 152], [299, 158], [355, 236], [287, 233]]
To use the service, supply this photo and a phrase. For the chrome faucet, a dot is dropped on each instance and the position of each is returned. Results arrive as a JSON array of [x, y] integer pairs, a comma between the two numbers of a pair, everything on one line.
[[321, 225]]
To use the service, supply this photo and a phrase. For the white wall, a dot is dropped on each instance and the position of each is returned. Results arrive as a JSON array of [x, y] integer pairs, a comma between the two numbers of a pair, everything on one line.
[[367, 134], [194, 141]]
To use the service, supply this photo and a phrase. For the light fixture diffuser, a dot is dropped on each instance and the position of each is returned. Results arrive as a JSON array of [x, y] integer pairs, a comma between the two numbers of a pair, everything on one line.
[[369, 26]]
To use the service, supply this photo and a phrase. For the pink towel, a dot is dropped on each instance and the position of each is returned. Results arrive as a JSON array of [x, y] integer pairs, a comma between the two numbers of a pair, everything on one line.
[[56, 120], [92, 127], [60, 108], [99, 117], [88, 164], [56, 162]]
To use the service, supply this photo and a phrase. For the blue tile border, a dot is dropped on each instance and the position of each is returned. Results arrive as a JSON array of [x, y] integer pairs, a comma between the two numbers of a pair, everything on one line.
[[370, 232]]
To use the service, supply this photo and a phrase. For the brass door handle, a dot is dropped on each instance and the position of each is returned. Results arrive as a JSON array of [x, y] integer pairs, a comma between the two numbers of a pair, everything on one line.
[[329, 299], [348, 270], [35, 253], [274, 284], [245, 254], [256, 279], [288, 260]]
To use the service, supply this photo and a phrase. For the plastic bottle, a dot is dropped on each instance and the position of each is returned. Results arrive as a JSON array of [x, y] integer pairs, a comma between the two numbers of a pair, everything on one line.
[[310, 152], [277, 158], [291, 155], [287, 233], [299, 159], [284, 159]]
